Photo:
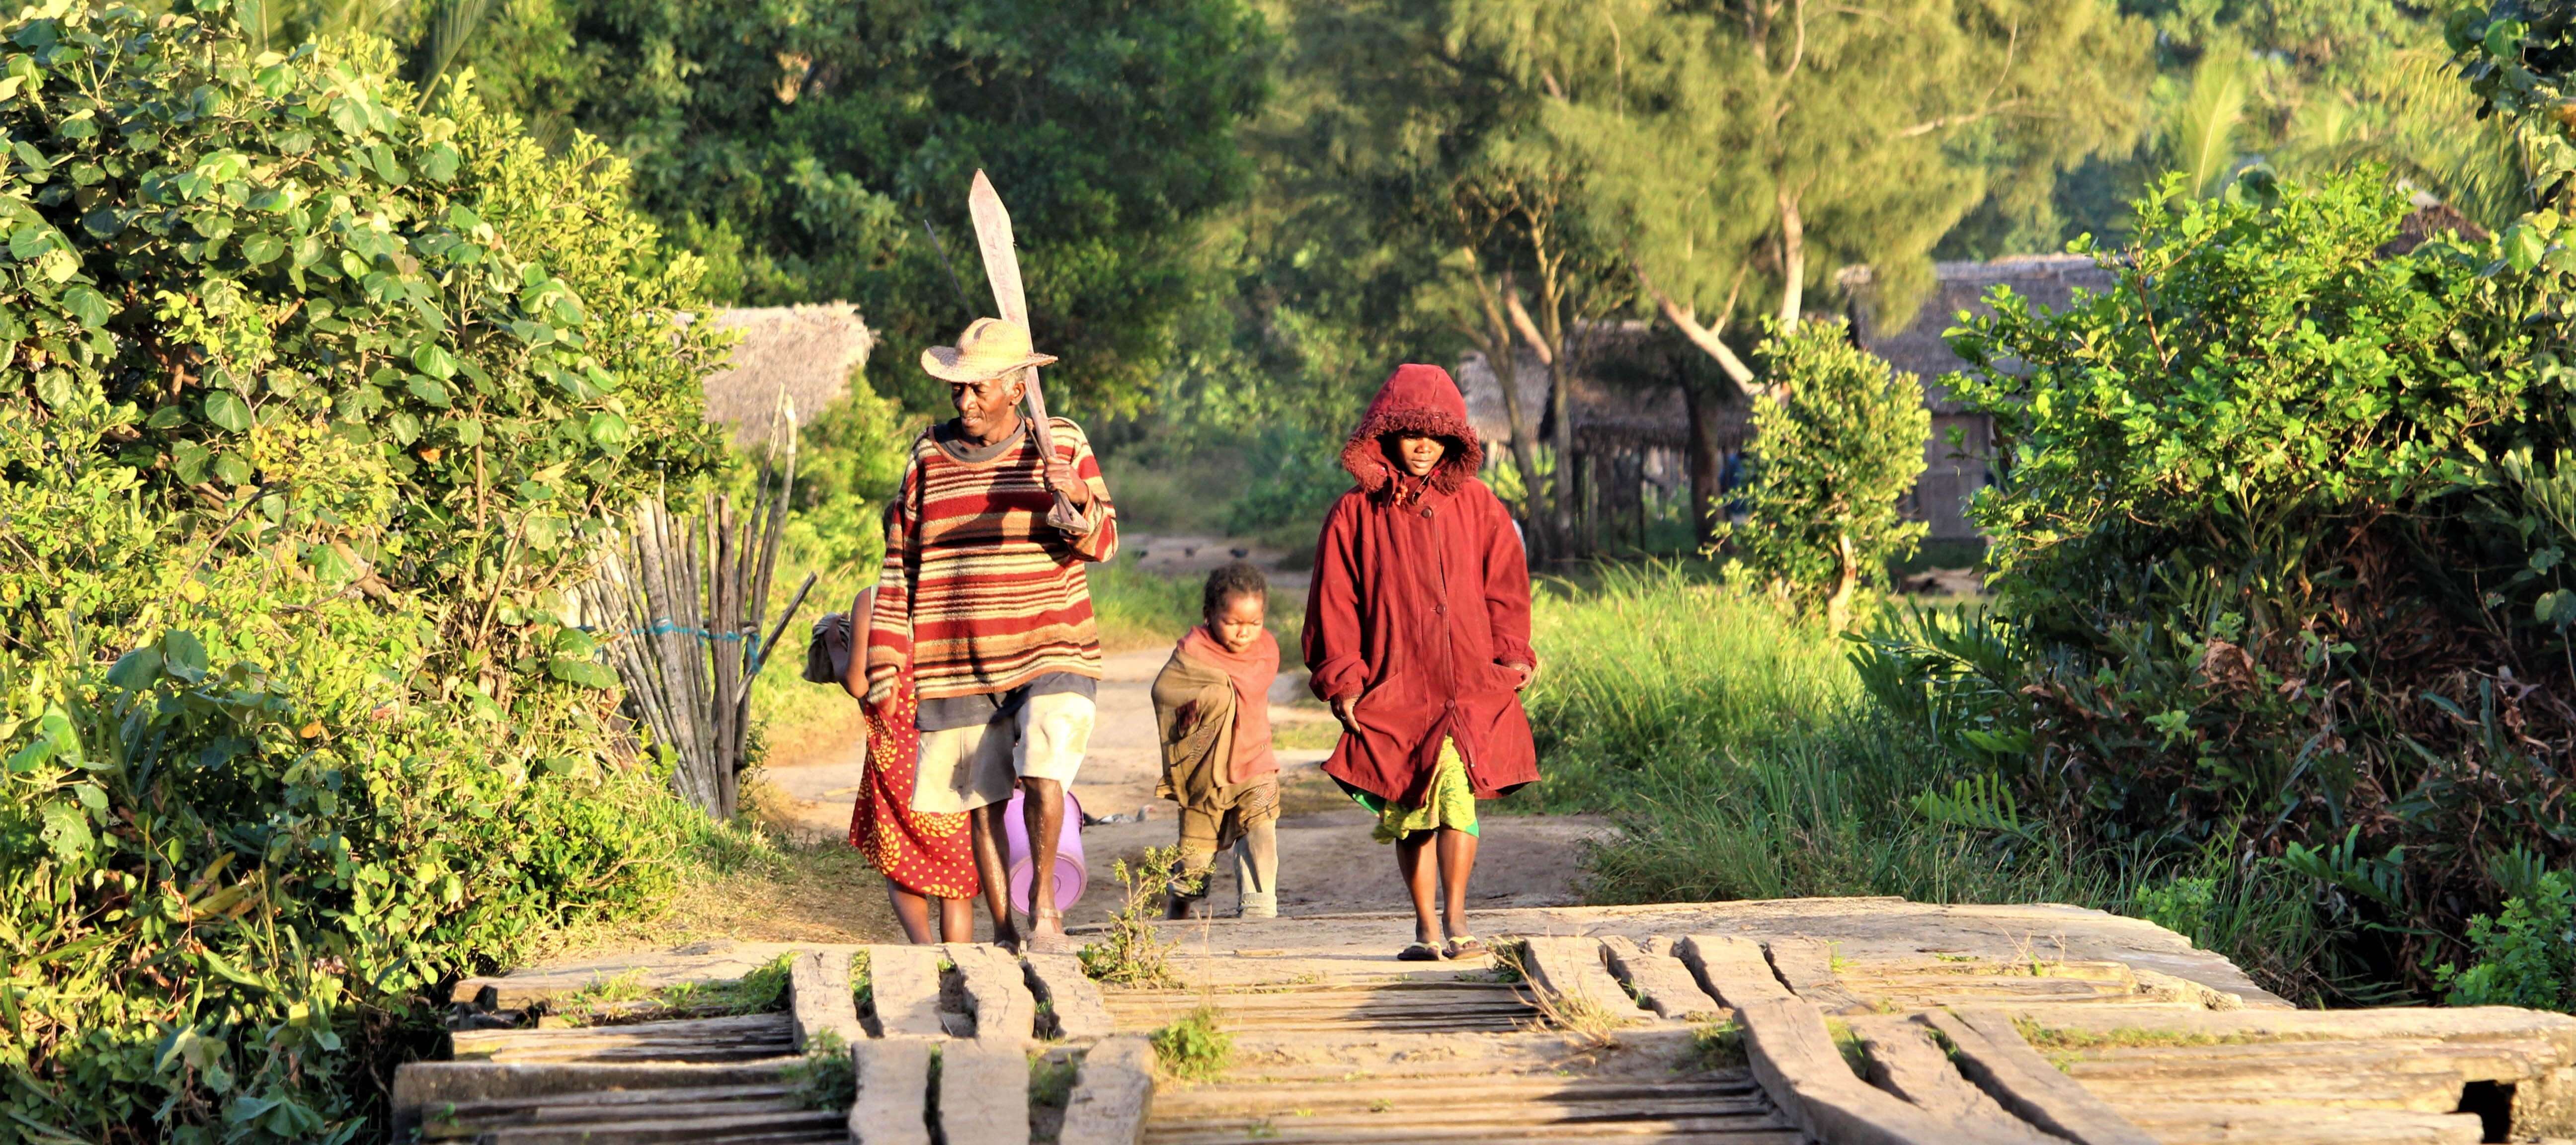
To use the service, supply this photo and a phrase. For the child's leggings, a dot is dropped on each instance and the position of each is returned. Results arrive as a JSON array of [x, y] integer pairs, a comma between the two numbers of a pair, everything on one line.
[[1256, 869]]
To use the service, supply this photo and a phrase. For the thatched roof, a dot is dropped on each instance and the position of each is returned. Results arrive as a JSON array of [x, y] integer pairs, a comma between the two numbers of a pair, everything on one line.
[[810, 353], [1624, 391], [2048, 281]]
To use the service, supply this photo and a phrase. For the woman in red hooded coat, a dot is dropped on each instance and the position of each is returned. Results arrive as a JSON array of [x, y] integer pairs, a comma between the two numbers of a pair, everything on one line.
[[1417, 631]]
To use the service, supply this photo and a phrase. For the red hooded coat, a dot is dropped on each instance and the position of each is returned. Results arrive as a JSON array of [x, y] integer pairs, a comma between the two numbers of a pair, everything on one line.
[[1421, 596]]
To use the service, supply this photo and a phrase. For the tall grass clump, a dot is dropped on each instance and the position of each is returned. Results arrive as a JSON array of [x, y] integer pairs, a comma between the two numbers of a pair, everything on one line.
[[1741, 758]]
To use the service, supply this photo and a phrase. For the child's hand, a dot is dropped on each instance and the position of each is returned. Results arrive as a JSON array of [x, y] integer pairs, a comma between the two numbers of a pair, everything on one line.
[[1524, 671], [1342, 711]]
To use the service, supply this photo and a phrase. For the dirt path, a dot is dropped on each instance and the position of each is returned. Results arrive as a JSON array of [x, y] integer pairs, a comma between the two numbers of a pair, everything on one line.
[[1327, 862]]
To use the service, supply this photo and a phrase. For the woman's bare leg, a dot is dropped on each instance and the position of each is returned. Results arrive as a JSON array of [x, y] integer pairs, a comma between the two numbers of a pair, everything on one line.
[[911, 911], [956, 920], [1457, 863], [1421, 879]]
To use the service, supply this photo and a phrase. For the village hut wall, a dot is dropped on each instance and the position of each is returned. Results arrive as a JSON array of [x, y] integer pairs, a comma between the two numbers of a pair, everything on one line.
[[1953, 473]]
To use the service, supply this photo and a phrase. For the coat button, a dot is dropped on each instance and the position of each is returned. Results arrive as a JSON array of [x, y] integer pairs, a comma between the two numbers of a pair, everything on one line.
[[1440, 610]]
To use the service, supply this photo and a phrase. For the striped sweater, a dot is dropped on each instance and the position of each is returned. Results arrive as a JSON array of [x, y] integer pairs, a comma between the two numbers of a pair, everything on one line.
[[978, 591]]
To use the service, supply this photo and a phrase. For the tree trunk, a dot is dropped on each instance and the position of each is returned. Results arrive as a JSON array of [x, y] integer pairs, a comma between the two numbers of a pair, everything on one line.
[[1793, 262], [1686, 320], [1505, 363], [1561, 407], [1705, 465], [1838, 606]]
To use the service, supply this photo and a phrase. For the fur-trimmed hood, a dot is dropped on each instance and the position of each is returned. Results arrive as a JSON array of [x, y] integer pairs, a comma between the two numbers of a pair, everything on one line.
[[1415, 399]]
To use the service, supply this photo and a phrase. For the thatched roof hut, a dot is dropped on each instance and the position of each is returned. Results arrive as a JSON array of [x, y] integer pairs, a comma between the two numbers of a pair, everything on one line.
[[809, 353], [2048, 281]]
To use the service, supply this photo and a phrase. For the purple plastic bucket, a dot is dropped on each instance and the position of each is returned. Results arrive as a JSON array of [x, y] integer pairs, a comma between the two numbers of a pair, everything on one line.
[[1068, 855]]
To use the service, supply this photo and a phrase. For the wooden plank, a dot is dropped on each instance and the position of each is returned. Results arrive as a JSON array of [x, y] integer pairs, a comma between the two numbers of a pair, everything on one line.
[[1443, 1093], [1570, 968], [2198, 1123], [1807, 965], [996, 990], [1292, 1131], [983, 1093], [893, 1102], [1992, 1053], [1113, 1095], [1071, 997], [819, 1000], [1732, 970], [1795, 1059], [903, 990], [420, 1086], [664, 1129], [1904, 1061], [1660, 981], [2447, 1023]]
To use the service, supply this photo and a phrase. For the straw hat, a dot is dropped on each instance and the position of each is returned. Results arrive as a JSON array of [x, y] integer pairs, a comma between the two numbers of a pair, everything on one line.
[[990, 348]]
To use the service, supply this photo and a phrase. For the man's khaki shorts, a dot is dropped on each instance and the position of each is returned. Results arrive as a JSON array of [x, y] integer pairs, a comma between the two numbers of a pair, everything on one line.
[[966, 768]]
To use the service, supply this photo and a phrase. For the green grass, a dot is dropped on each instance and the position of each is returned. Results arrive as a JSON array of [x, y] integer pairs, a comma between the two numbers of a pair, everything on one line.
[[1737, 750], [1741, 758], [1138, 609]]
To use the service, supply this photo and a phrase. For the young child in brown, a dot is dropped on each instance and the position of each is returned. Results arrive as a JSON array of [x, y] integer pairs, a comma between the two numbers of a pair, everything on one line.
[[1212, 706]]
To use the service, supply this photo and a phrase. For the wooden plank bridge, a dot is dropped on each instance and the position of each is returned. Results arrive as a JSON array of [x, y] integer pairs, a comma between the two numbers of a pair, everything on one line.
[[1841, 1021]]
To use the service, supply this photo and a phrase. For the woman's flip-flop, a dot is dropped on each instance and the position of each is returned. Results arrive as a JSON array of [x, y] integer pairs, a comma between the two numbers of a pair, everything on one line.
[[1464, 946], [1418, 952]]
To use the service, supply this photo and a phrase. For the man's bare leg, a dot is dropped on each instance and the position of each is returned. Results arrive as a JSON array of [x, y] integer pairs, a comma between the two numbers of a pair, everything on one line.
[[1043, 812], [1421, 879], [911, 911], [985, 824], [956, 920], [1457, 863]]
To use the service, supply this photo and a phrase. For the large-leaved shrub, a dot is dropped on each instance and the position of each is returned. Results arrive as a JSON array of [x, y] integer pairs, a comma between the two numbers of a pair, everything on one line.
[[310, 401], [2275, 563]]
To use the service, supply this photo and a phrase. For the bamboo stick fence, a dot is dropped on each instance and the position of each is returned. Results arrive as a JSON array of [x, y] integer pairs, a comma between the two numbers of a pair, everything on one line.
[[679, 603]]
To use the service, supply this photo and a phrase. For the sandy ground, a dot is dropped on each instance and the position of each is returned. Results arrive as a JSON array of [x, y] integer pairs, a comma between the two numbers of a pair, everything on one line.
[[1328, 863]]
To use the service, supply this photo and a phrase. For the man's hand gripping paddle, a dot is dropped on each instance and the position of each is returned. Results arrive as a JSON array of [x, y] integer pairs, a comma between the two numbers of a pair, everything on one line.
[[1002, 266]]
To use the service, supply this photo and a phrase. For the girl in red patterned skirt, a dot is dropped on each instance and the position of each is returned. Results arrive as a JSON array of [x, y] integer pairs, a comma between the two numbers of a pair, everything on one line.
[[924, 856]]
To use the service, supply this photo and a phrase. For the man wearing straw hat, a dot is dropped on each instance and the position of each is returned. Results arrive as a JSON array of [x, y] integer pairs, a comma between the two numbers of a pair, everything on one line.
[[983, 591]]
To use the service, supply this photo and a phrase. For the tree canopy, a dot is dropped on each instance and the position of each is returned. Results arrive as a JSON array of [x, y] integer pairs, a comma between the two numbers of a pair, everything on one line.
[[816, 151]]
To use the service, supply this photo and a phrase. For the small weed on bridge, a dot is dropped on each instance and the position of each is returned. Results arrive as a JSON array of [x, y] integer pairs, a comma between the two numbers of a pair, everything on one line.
[[1195, 1047]]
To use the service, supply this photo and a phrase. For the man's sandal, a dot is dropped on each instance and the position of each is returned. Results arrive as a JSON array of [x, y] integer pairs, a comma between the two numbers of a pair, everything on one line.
[[1418, 952], [1464, 946]]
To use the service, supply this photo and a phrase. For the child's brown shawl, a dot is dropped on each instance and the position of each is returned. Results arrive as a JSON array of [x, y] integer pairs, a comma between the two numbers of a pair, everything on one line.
[[1194, 712]]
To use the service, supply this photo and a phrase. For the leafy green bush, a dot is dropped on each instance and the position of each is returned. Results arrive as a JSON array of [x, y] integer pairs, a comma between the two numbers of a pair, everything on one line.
[[310, 401], [2180, 905], [2525, 956], [2276, 564], [1831, 458]]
